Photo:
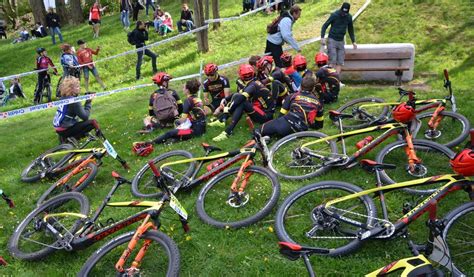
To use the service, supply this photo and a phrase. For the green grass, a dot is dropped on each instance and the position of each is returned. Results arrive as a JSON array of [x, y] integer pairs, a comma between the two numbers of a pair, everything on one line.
[[441, 32]]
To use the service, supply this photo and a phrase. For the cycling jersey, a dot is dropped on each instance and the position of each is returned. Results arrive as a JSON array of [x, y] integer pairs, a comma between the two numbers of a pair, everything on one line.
[[303, 107], [66, 115], [328, 84], [216, 88], [44, 62], [193, 109], [279, 75], [259, 96]]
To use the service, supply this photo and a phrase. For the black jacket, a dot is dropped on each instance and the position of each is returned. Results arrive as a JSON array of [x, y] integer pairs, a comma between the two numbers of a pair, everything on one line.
[[187, 15], [140, 36], [52, 20]]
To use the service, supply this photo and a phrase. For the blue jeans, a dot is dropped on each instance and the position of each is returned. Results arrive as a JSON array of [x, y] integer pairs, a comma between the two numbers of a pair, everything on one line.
[[149, 3], [54, 31], [188, 23], [157, 24], [140, 59], [125, 19]]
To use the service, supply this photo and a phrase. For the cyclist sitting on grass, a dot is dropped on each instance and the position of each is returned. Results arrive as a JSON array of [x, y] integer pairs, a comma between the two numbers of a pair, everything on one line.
[[42, 62], [217, 86], [253, 62], [191, 124], [301, 111], [290, 71], [274, 78], [65, 121], [164, 104], [255, 100], [329, 84]]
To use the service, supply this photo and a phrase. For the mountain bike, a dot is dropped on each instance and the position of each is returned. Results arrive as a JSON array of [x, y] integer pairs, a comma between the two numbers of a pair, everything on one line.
[[11, 205], [62, 223], [445, 127], [233, 197], [46, 91], [309, 154], [56, 161], [336, 218]]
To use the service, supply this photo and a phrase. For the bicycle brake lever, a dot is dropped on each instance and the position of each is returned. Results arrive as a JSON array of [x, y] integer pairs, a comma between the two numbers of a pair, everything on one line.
[[185, 224]]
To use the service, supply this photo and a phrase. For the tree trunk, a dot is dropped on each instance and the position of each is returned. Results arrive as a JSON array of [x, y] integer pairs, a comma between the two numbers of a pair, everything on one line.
[[215, 14], [202, 39], [39, 12], [61, 10], [76, 12], [10, 9], [206, 14]]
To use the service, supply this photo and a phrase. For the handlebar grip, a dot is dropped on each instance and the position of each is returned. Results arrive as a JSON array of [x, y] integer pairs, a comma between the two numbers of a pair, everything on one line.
[[446, 75], [125, 165], [151, 164]]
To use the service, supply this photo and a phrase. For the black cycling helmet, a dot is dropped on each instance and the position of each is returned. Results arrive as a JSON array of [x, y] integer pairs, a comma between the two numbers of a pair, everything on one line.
[[40, 50]]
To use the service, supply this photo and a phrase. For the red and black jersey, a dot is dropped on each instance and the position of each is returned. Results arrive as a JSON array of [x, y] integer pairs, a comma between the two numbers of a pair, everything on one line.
[[162, 90], [44, 62], [328, 84], [304, 106], [193, 108], [276, 74], [260, 96], [216, 87]]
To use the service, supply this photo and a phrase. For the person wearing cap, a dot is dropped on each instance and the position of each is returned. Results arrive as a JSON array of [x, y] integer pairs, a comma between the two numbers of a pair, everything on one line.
[[84, 56], [341, 22], [275, 41]]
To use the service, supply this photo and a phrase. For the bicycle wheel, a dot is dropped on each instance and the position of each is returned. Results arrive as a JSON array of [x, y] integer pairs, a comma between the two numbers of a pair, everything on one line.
[[77, 182], [363, 116], [451, 131], [434, 161], [48, 92], [459, 236], [143, 184], [288, 162], [32, 240], [300, 218], [161, 258], [36, 169], [218, 207]]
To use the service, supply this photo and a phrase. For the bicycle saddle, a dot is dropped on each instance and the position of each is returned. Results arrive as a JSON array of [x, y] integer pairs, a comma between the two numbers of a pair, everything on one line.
[[370, 165], [210, 148], [294, 251], [403, 92], [335, 115], [119, 178]]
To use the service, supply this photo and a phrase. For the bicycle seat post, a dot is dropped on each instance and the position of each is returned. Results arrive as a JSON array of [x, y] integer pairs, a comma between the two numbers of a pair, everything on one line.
[[381, 194], [341, 131]]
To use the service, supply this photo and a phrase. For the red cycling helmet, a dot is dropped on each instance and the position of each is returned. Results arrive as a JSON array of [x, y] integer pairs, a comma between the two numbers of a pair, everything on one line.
[[403, 113], [299, 62], [142, 148], [161, 77], [286, 59], [210, 69], [321, 59], [246, 72], [263, 62], [463, 163]]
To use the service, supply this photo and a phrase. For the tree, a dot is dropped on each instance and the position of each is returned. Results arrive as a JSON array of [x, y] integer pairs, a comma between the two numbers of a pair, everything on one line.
[[202, 36], [215, 14], [76, 12], [61, 10], [10, 10], [39, 12]]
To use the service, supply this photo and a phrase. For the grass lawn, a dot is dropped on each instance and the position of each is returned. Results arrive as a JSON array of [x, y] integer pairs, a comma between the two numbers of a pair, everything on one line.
[[442, 33]]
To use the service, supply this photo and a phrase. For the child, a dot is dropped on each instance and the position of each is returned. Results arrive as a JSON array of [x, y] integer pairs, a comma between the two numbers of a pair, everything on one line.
[[42, 62], [167, 25], [84, 56], [69, 61]]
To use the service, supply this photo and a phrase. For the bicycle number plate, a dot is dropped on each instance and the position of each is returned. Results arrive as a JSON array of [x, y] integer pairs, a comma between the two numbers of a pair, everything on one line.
[[177, 207], [110, 149]]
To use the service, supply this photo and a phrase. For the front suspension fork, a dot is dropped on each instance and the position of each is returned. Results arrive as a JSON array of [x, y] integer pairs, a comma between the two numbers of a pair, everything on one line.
[[410, 152], [235, 186], [436, 118]]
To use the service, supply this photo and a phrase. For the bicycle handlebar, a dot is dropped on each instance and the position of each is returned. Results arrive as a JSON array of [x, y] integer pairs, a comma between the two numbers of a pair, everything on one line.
[[8, 200], [446, 74]]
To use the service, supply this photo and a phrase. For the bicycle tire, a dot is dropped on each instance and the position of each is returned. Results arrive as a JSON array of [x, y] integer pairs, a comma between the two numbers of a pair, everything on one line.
[[30, 179], [452, 141], [438, 156], [466, 212], [93, 170], [379, 115], [285, 233], [169, 245], [281, 172], [53, 203], [138, 179], [245, 216], [48, 91]]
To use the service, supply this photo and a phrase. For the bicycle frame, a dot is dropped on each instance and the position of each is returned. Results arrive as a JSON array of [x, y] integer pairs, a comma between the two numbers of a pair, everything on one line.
[[95, 152]]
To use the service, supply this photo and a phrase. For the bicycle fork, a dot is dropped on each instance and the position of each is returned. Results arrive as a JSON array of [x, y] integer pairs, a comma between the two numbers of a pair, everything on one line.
[[410, 152], [237, 196]]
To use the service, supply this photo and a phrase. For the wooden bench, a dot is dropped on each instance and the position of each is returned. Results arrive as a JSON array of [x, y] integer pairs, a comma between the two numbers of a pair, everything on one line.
[[369, 57]]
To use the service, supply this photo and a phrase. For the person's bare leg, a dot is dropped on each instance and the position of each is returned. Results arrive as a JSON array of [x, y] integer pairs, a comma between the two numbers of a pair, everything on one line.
[[338, 68], [99, 80]]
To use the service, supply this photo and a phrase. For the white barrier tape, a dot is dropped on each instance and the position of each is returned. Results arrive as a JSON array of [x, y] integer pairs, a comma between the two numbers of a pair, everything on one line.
[[224, 19], [31, 109]]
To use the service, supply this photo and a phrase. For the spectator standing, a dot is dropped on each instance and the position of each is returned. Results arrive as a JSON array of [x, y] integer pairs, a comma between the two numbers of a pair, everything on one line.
[[167, 26], [340, 21], [137, 5], [53, 23], [125, 7], [69, 62], [94, 17], [158, 18], [139, 36], [84, 56], [186, 19], [39, 31], [280, 31], [149, 3], [247, 5]]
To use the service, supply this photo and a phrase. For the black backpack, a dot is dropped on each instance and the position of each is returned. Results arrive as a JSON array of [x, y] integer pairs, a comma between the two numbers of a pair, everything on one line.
[[272, 28], [131, 38]]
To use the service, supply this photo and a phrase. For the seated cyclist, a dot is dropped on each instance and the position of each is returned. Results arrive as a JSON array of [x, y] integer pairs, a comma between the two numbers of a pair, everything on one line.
[[328, 82], [301, 66], [66, 121], [290, 71], [191, 124], [42, 62], [274, 78], [255, 100], [300, 111], [253, 62], [217, 86]]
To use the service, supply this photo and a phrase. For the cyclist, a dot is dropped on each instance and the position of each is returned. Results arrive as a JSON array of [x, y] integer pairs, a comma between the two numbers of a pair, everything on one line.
[[300, 65], [329, 84], [69, 62], [255, 100], [274, 78], [192, 122], [43, 62], [301, 111], [253, 62], [65, 121], [161, 79], [289, 69], [217, 86]]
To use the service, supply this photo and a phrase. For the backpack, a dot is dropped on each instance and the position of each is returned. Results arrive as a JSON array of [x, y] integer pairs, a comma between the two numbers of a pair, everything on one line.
[[131, 38], [165, 107], [272, 28]]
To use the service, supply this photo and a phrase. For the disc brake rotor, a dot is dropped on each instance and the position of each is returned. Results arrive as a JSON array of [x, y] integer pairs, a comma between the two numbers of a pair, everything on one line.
[[432, 134], [237, 200], [419, 171]]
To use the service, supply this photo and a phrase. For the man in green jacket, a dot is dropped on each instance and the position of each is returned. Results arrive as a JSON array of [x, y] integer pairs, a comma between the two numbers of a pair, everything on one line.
[[340, 21]]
